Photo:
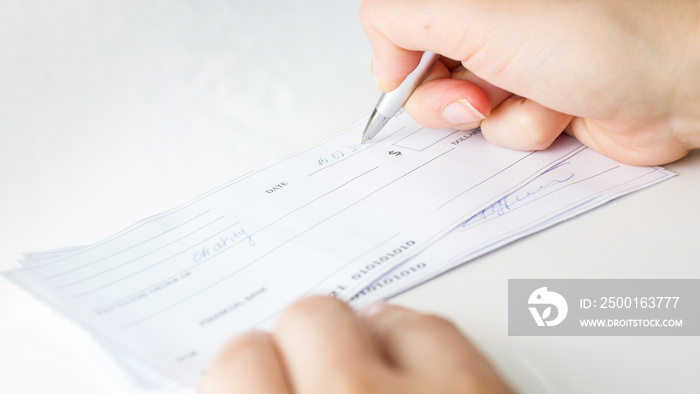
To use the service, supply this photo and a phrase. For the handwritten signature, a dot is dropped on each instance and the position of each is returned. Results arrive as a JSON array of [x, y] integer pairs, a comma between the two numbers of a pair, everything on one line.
[[504, 205], [222, 243]]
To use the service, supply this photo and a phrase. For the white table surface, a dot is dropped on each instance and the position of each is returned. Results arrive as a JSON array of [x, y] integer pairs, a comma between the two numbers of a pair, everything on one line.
[[113, 111]]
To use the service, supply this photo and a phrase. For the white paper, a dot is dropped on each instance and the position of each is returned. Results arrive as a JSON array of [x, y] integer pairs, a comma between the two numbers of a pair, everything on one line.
[[170, 290], [577, 184]]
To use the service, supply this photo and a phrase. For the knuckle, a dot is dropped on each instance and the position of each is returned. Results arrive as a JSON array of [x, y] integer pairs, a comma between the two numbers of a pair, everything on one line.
[[395, 320], [530, 133], [310, 306], [538, 140], [436, 323], [537, 131]]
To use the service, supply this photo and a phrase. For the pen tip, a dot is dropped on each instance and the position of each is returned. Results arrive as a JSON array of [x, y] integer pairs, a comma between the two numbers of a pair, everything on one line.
[[375, 123]]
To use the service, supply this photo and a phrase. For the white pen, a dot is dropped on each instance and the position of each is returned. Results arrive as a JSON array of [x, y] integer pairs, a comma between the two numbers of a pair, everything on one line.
[[390, 103]]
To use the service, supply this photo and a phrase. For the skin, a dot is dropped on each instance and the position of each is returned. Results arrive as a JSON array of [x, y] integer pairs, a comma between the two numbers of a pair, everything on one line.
[[621, 76], [320, 345]]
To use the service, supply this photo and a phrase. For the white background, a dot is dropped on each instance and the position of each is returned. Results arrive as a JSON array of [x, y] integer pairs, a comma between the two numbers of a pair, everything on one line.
[[113, 111]]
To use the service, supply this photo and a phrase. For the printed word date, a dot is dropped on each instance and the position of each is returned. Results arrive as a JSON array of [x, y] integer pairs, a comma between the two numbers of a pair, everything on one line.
[[276, 187]]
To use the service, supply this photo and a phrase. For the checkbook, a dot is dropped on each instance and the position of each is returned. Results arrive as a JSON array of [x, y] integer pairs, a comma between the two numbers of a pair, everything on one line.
[[359, 222]]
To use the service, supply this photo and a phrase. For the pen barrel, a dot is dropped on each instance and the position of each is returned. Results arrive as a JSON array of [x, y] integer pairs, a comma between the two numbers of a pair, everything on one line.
[[390, 103]]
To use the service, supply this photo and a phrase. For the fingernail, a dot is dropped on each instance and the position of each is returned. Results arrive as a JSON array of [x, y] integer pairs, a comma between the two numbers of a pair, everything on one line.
[[460, 112], [372, 309]]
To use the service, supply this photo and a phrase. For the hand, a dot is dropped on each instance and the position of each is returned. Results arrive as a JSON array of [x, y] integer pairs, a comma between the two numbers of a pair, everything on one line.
[[621, 76], [320, 345]]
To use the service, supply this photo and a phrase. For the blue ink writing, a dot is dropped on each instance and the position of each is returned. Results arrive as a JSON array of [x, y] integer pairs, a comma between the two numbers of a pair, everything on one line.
[[505, 204], [338, 154], [221, 243]]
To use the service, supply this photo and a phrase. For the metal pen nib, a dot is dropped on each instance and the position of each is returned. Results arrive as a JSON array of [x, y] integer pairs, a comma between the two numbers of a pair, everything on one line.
[[375, 123], [390, 103]]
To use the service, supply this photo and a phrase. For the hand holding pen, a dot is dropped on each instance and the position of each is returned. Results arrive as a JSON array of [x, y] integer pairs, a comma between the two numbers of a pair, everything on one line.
[[526, 72]]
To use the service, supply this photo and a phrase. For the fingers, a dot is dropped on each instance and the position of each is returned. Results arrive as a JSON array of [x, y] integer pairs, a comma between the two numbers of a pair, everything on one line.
[[412, 340], [431, 347], [390, 62], [523, 124], [464, 101], [486, 37], [445, 103], [400, 31], [391, 65], [320, 345], [247, 364], [325, 348], [469, 31], [397, 41], [460, 100], [643, 146]]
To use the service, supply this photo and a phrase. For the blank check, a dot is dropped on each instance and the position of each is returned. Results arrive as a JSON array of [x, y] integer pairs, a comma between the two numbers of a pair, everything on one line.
[[170, 290]]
